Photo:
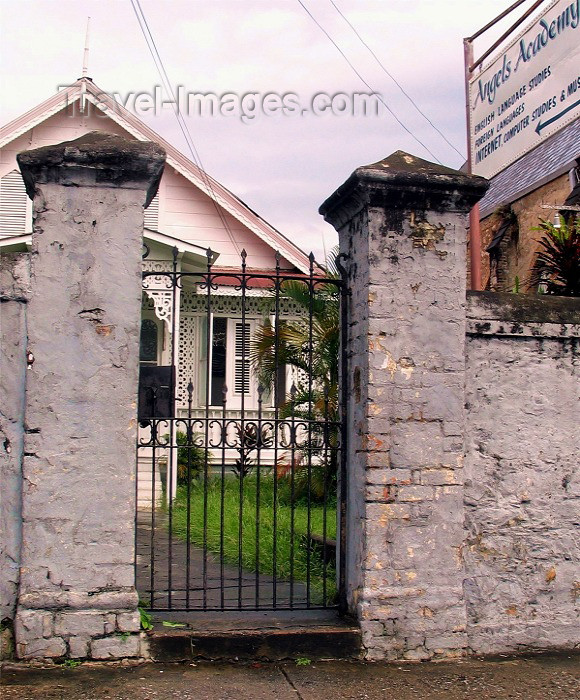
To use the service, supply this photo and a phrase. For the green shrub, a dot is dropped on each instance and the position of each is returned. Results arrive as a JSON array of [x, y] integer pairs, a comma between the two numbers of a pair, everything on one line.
[[556, 268], [190, 457]]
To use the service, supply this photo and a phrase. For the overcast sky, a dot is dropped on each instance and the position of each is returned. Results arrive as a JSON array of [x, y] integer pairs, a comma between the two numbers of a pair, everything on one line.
[[283, 166]]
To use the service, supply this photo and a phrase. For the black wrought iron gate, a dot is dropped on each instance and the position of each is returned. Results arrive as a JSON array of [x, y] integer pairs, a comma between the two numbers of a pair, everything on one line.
[[241, 447]]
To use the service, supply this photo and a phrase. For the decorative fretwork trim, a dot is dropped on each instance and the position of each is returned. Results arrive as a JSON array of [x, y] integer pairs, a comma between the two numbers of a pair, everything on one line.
[[160, 281], [157, 265], [232, 305], [162, 304], [187, 358]]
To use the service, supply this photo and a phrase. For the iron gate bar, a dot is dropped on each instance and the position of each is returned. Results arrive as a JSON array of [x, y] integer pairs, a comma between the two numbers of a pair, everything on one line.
[[172, 454], [310, 387], [343, 383], [258, 465], [292, 494], [324, 496], [223, 493], [206, 432], [276, 427], [188, 491], [153, 495], [242, 430], [285, 431]]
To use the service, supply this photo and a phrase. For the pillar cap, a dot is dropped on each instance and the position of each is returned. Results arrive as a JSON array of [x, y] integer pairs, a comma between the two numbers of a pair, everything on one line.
[[96, 159], [400, 172]]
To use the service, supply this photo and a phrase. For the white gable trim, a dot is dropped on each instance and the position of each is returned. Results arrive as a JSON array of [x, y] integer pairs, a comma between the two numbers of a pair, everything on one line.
[[9, 244], [197, 252], [128, 121], [191, 253]]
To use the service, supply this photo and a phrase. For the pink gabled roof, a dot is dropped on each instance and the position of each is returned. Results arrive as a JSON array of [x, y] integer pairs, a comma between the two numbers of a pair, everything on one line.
[[128, 121]]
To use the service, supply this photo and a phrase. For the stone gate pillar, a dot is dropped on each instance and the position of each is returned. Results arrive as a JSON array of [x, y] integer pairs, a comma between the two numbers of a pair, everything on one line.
[[77, 593], [403, 222]]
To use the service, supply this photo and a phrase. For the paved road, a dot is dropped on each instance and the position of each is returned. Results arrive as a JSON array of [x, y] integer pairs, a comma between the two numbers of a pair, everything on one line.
[[538, 678]]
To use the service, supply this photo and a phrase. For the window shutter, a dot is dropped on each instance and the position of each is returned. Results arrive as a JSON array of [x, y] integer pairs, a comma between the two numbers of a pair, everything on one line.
[[13, 205], [242, 359], [151, 217], [148, 342]]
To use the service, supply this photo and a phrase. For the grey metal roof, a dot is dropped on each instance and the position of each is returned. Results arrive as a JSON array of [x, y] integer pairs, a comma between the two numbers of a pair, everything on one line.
[[550, 159]]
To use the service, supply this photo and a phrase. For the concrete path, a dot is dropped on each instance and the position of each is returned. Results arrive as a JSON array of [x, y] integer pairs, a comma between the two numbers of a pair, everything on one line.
[[227, 587], [537, 678]]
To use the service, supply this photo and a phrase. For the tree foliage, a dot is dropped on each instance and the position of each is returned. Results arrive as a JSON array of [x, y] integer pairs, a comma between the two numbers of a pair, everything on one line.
[[309, 344]]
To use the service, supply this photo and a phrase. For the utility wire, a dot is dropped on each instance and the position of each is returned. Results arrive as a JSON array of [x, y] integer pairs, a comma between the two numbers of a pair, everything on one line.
[[392, 77], [379, 97], [150, 41]]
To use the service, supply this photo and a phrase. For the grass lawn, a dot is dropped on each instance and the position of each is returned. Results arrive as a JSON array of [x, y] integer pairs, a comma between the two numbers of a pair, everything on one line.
[[258, 517]]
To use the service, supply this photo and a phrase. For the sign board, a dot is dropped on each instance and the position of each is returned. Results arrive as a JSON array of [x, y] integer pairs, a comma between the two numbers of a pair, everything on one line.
[[530, 91]]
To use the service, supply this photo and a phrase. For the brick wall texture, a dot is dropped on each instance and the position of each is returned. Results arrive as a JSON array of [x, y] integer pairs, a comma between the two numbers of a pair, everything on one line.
[[522, 487], [521, 250], [463, 441]]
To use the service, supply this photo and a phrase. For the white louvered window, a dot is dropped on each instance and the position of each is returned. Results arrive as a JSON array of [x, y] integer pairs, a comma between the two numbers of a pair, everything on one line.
[[229, 362], [151, 215], [242, 358], [15, 206]]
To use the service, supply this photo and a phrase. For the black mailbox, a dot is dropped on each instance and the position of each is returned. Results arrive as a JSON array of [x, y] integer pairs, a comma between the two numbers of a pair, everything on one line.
[[156, 392]]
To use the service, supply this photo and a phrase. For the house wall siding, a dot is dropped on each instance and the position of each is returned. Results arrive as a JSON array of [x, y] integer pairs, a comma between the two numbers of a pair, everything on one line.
[[62, 126], [189, 214], [184, 210]]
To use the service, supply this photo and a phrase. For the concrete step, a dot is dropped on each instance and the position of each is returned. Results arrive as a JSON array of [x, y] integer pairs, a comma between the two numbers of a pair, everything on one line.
[[254, 636]]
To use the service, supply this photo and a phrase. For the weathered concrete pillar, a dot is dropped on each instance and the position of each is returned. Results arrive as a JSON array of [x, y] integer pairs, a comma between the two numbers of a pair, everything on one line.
[[403, 223], [77, 593], [14, 295]]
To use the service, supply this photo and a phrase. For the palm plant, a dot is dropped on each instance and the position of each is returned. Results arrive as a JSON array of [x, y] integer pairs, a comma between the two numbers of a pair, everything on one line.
[[557, 263], [310, 344], [190, 456]]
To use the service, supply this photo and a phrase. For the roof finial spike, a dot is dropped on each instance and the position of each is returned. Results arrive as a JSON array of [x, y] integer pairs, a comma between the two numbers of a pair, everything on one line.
[[86, 53], [85, 69]]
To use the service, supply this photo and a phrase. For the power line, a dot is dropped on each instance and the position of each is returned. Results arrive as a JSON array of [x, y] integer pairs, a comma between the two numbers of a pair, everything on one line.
[[392, 77], [182, 124], [150, 41], [379, 97]]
